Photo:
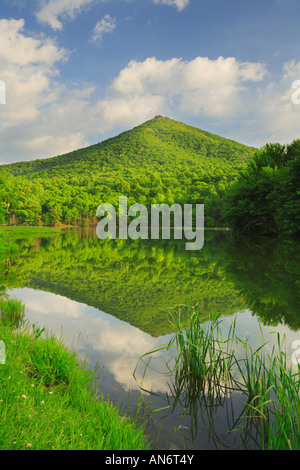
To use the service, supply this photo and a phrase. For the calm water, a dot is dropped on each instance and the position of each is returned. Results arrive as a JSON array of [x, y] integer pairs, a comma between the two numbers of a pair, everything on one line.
[[112, 300]]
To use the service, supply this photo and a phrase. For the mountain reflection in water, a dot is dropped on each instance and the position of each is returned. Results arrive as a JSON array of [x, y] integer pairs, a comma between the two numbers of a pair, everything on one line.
[[112, 300]]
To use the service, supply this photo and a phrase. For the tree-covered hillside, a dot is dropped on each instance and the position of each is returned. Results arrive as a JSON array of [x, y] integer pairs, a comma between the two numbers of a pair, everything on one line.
[[160, 161], [265, 199]]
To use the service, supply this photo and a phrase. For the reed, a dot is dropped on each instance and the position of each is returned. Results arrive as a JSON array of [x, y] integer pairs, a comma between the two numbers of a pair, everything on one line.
[[282, 414], [203, 355], [210, 363], [12, 312]]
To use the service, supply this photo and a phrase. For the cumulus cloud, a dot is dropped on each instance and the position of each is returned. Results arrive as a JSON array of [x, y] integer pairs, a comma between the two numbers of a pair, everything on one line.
[[21, 50], [50, 304], [26, 68], [51, 11], [179, 4], [272, 114], [239, 97], [35, 97], [106, 25], [127, 110], [43, 115], [210, 87]]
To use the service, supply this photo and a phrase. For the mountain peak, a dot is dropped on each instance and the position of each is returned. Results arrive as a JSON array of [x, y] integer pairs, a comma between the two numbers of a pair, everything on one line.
[[159, 161], [161, 144]]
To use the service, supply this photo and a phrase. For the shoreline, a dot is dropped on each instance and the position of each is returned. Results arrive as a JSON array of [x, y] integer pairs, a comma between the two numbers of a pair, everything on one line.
[[47, 402]]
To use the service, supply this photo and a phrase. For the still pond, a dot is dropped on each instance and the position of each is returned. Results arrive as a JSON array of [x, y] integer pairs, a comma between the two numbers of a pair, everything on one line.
[[112, 302]]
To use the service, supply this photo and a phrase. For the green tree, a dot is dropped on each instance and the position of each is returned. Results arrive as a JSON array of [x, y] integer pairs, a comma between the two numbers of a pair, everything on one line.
[[265, 198]]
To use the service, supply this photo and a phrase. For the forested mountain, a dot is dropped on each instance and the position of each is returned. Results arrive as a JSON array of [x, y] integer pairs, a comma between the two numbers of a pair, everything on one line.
[[160, 161]]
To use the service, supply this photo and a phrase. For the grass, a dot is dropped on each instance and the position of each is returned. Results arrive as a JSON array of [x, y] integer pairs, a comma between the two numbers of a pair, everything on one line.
[[12, 312], [279, 402], [12, 231], [209, 363], [203, 353], [47, 401]]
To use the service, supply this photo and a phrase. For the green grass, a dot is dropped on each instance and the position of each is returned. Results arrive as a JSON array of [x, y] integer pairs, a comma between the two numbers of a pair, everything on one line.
[[12, 312], [15, 230], [277, 400], [47, 401], [209, 363], [203, 353]]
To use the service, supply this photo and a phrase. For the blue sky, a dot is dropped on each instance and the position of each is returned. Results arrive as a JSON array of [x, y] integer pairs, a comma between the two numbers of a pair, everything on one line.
[[79, 71]]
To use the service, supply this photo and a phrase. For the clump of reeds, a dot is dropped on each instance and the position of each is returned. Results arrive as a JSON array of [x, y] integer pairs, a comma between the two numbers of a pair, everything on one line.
[[203, 354], [208, 362], [12, 312], [273, 388]]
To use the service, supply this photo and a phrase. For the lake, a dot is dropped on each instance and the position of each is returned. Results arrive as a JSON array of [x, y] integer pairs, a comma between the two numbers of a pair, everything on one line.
[[112, 302]]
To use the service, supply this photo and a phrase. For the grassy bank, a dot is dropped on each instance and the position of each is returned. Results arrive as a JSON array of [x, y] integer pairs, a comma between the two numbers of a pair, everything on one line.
[[27, 230], [10, 233], [46, 398]]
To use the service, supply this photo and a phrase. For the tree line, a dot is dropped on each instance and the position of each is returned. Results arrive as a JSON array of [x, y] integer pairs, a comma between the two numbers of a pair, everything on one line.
[[161, 161], [265, 199]]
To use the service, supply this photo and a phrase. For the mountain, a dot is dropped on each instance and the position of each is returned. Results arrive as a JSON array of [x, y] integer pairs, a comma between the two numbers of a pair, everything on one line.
[[159, 161]]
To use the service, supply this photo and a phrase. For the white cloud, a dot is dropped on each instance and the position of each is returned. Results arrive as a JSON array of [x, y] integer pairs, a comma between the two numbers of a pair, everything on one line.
[[20, 50], [127, 110], [27, 68], [43, 115], [179, 4], [31, 122], [106, 25], [209, 87], [272, 116], [46, 303], [51, 11]]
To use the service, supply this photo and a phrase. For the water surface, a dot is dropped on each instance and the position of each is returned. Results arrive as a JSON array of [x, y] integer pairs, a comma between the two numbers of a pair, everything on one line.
[[112, 301]]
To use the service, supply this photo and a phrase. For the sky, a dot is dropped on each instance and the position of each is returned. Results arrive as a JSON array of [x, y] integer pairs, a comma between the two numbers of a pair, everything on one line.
[[76, 72]]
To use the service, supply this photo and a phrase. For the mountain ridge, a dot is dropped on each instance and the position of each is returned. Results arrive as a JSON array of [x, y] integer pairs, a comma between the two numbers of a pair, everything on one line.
[[158, 161], [144, 126]]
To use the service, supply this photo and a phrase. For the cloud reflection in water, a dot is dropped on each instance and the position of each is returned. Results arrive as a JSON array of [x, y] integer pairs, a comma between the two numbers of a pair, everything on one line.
[[115, 344]]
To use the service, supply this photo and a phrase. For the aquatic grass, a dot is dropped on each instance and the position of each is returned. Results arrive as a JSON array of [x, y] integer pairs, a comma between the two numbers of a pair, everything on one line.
[[255, 377], [283, 413], [203, 353], [203, 359], [197, 401], [12, 312], [210, 364]]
